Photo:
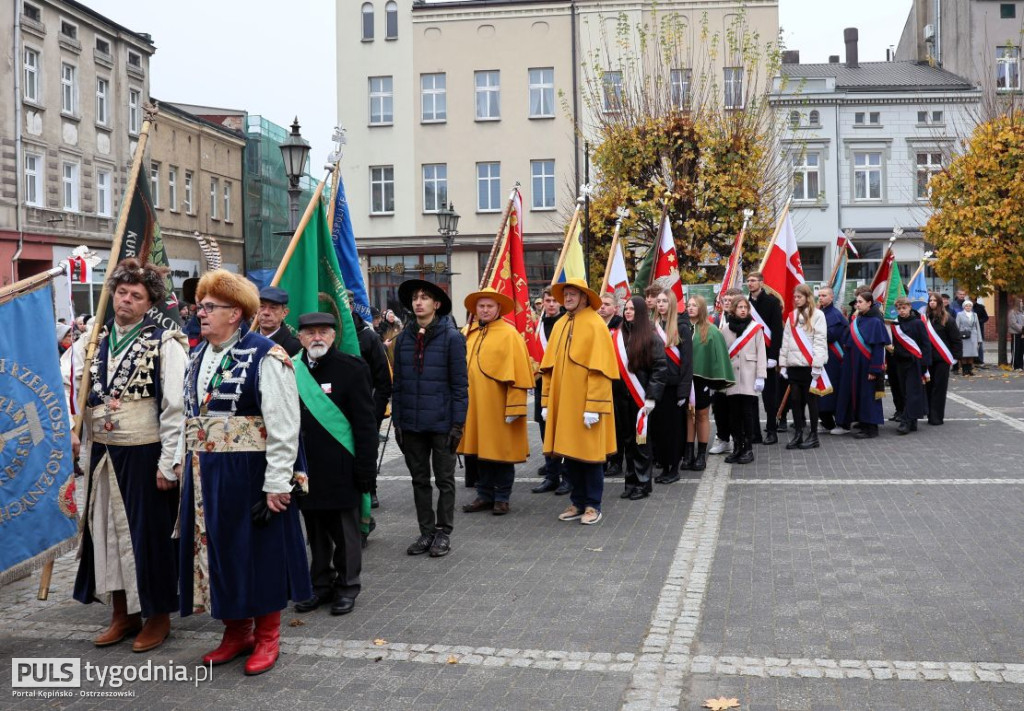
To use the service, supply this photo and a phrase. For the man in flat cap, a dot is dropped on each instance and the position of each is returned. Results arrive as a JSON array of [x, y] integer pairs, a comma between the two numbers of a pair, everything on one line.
[[428, 408], [242, 553], [271, 316], [340, 441]]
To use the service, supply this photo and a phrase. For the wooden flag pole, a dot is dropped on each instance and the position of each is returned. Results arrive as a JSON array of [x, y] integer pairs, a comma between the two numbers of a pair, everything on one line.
[[775, 236], [333, 198], [565, 243], [657, 244], [835, 267], [499, 239], [294, 243], [621, 212]]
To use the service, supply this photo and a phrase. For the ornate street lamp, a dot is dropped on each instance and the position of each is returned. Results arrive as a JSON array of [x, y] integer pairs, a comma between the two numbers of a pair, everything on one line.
[[294, 152], [448, 227]]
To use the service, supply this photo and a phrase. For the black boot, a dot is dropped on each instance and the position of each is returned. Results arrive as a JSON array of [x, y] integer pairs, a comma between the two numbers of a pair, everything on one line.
[[671, 476], [627, 493], [811, 440], [739, 446], [700, 463], [797, 438], [686, 464], [747, 455]]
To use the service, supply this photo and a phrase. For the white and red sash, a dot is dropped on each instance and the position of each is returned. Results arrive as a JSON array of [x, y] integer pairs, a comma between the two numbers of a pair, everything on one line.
[[633, 385], [907, 342], [937, 343], [671, 351], [767, 331], [748, 334], [820, 385]]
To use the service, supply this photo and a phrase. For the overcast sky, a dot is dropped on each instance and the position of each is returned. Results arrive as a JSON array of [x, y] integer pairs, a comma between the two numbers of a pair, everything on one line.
[[277, 59]]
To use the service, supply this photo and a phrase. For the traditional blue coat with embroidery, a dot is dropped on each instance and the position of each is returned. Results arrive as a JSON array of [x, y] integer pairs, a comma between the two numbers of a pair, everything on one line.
[[860, 399], [837, 327], [230, 566]]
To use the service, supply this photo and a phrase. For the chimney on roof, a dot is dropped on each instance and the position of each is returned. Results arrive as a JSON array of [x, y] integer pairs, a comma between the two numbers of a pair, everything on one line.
[[791, 56], [833, 59], [850, 36]]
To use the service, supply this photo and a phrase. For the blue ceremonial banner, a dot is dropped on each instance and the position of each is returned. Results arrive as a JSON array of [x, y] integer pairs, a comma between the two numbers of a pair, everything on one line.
[[37, 510], [917, 291], [344, 239]]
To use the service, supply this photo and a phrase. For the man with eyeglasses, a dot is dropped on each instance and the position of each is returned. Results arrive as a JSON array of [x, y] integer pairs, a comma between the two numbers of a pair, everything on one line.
[[242, 553], [271, 316]]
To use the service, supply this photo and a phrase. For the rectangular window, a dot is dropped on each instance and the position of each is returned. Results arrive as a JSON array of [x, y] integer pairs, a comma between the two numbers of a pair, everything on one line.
[[937, 117], [433, 97], [134, 111], [102, 46], [930, 117], [68, 89], [68, 29], [31, 12], [611, 84], [435, 186], [806, 176], [1007, 11], [103, 196], [134, 59], [1008, 68], [928, 164], [874, 117], [214, 197], [734, 87], [542, 174], [542, 93], [227, 201], [812, 259], [488, 187], [858, 117], [69, 184], [381, 101], [172, 188], [867, 176], [33, 180], [382, 190], [488, 96], [31, 90], [680, 87], [154, 183], [102, 90], [188, 192]]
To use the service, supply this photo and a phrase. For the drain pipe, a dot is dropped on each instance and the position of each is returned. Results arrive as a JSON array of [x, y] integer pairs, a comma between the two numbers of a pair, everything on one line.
[[19, 172]]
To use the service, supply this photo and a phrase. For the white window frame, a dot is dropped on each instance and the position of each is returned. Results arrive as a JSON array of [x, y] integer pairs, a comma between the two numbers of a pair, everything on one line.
[[733, 85], [154, 183], [70, 173], [488, 178], [611, 92], [366, 14], [227, 201], [382, 100], [866, 169], [542, 184], [435, 97], [189, 193], [1008, 68], [104, 197], [680, 81], [214, 196], [33, 179], [435, 175], [134, 111], [487, 94], [928, 168], [806, 164], [542, 92], [391, 20], [172, 188], [30, 87], [68, 89], [102, 101], [382, 189]]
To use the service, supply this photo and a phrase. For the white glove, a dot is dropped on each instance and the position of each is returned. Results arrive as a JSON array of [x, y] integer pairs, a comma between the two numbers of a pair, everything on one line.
[[510, 419], [772, 363], [649, 405], [758, 385], [590, 419], [680, 403], [815, 372], [544, 414], [784, 373]]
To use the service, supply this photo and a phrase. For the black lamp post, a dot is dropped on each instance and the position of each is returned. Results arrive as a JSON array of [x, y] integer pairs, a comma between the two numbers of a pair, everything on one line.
[[448, 227], [294, 152]]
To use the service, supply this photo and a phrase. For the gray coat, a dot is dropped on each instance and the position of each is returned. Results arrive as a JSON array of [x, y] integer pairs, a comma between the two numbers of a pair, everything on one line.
[[969, 322]]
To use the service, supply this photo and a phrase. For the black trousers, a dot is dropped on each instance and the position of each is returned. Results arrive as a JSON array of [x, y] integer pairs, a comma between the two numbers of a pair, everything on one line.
[[743, 413], [770, 398], [800, 396], [421, 449], [638, 456], [720, 410], [895, 386], [336, 549], [1017, 356], [936, 391], [666, 430]]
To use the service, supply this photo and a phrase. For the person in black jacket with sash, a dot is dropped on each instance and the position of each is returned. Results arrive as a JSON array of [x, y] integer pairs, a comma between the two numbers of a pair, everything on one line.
[[340, 440], [769, 308], [911, 355], [947, 347]]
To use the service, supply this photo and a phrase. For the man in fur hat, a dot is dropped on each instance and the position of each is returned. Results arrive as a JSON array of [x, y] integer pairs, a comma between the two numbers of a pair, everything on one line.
[[499, 378], [133, 420], [578, 369], [242, 553]]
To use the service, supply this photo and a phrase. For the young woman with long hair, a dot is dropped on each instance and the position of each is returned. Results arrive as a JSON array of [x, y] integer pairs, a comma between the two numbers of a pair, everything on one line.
[[802, 358], [667, 419], [641, 358], [744, 339], [712, 370], [862, 386], [947, 351]]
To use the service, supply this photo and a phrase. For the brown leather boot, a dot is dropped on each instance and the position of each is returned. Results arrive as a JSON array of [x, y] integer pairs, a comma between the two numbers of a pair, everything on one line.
[[121, 623], [153, 633]]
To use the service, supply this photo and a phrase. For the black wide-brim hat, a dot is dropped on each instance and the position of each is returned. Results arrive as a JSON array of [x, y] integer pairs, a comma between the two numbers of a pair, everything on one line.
[[410, 286]]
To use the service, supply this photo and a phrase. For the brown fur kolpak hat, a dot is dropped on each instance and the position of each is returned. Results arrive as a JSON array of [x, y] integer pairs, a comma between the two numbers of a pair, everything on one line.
[[232, 288], [132, 271]]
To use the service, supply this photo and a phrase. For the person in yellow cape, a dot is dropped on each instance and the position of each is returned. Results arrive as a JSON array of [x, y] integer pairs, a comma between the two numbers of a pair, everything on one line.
[[499, 378], [576, 397]]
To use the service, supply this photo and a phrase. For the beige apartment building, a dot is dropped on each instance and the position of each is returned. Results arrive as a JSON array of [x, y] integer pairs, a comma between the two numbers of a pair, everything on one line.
[[457, 102]]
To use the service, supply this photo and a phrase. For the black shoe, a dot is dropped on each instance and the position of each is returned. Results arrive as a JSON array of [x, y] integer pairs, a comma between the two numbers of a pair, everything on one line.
[[746, 457], [544, 487], [797, 439], [638, 493], [913, 425], [613, 470], [782, 426], [627, 493], [867, 433], [312, 603], [421, 545], [563, 489], [441, 546], [343, 605], [374, 501], [811, 441], [896, 417], [671, 477], [770, 438], [903, 429], [700, 463]]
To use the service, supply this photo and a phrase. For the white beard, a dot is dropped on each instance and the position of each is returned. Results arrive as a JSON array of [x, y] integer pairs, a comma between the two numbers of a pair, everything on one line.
[[316, 352]]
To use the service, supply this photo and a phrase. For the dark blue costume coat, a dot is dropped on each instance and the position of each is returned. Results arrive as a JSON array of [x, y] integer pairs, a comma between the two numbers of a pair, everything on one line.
[[837, 326], [860, 399]]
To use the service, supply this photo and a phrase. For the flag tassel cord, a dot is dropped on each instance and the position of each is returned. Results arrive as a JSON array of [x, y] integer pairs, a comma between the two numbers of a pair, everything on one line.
[[565, 243]]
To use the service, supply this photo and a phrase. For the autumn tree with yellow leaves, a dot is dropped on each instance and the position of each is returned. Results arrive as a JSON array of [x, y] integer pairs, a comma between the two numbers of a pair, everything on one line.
[[977, 227]]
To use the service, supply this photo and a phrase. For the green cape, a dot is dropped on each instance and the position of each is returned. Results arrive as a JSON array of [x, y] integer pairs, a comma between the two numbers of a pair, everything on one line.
[[711, 360]]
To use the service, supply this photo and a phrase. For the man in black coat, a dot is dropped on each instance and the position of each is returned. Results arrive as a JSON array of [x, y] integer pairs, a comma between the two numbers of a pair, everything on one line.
[[371, 348], [769, 308], [334, 388], [270, 317]]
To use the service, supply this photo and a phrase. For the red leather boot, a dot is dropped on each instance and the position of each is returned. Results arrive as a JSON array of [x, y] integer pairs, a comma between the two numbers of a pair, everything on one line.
[[238, 640], [268, 634]]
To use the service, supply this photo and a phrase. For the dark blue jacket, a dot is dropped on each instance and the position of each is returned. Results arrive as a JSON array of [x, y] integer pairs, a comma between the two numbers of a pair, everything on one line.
[[431, 396]]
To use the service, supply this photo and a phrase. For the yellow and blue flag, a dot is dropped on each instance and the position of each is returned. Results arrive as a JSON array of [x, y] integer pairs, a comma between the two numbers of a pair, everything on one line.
[[570, 262]]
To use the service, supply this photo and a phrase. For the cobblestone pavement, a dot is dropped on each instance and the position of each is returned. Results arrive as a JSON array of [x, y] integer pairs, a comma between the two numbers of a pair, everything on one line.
[[886, 574]]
